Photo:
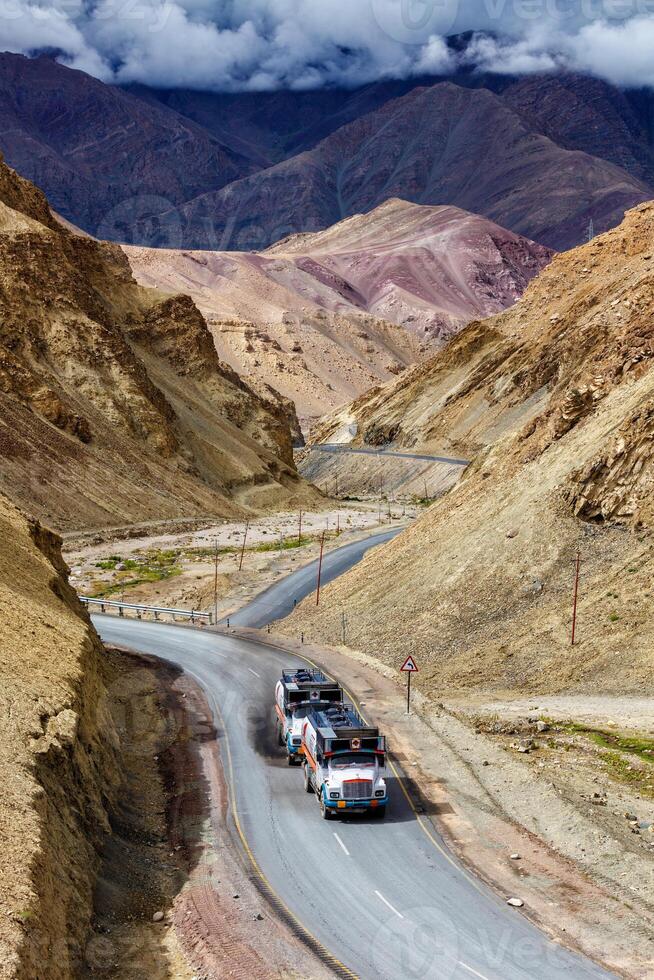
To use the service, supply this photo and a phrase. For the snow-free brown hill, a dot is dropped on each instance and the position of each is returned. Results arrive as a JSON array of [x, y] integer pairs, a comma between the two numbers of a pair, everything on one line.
[[114, 405], [106, 159], [553, 401], [320, 316]]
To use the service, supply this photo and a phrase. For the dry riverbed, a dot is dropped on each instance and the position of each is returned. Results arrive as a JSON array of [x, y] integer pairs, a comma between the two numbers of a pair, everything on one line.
[[177, 568]]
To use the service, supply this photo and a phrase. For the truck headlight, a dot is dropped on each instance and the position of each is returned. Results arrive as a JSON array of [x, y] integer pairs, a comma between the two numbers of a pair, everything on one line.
[[333, 796], [379, 792]]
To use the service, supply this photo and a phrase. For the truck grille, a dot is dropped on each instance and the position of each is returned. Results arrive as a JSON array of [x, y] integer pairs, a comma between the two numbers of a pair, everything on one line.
[[357, 789]]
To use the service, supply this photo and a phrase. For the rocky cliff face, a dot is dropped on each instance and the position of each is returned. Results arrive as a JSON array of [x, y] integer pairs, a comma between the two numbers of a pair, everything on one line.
[[115, 405], [58, 757], [552, 401]]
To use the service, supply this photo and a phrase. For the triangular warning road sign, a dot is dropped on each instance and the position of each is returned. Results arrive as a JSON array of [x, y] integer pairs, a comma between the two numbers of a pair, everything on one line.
[[409, 665]]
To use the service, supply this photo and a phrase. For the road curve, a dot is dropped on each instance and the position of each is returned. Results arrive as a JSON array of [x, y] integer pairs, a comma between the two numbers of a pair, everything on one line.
[[279, 599], [337, 447], [387, 899]]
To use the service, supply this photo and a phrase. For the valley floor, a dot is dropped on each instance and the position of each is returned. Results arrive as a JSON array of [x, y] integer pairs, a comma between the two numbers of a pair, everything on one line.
[[176, 568]]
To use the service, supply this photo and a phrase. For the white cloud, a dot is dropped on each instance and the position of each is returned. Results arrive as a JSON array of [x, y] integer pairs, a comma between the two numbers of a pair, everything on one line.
[[265, 44]]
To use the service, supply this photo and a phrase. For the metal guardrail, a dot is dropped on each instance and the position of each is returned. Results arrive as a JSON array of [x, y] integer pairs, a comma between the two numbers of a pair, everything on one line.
[[192, 614]]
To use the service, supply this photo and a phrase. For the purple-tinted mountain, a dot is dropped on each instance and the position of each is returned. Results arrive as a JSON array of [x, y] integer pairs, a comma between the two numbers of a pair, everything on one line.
[[106, 159], [444, 144], [540, 155]]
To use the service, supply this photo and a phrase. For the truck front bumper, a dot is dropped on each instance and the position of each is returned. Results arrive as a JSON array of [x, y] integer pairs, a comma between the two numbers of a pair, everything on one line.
[[356, 806]]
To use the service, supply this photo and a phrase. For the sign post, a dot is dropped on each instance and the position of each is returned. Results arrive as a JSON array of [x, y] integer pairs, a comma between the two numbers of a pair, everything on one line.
[[409, 667]]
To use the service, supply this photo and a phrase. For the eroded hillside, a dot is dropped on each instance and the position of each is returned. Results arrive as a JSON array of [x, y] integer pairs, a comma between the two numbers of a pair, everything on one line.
[[58, 757], [554, 403], [115, 406]]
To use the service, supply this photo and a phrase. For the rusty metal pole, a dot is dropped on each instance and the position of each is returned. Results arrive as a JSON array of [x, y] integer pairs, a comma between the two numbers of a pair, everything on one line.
[[574, 601], [322, 545], [240, 564]]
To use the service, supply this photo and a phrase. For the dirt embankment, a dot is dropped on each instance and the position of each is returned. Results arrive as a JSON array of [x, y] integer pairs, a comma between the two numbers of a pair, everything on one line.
[[58, 757]]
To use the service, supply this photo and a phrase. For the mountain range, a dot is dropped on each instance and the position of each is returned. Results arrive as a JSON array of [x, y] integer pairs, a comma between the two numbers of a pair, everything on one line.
[[542, 155]]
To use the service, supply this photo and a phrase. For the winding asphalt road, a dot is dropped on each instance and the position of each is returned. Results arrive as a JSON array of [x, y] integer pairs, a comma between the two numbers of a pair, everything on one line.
[[278, 600], [386, 898], [338, 447]]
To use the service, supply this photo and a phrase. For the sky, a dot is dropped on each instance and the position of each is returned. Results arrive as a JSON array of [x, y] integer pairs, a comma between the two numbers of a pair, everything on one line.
[[259, 45]]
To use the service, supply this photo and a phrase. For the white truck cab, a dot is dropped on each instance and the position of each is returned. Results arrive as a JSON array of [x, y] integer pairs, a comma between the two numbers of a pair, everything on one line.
[[300, 691], [344, 762]]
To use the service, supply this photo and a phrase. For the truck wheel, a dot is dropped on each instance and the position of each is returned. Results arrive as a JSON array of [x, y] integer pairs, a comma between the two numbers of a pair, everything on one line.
[[308, 788], [280, 734], [291, 759], [379, 812], [325, 812]]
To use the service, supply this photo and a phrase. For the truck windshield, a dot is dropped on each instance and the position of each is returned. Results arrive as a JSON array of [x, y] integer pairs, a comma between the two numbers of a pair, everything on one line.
[[352, 760]]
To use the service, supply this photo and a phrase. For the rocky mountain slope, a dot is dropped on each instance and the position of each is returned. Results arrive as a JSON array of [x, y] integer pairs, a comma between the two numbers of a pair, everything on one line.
[[318, 316], [442, 144], [115, 406], [557, 150], [553, 401], [72, 135], [58, 757]]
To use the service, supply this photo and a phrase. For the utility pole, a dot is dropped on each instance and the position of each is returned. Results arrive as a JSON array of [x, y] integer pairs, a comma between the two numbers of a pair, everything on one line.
[[591, 230], [338, 523], [574, 600], [343, 625], [336, 483], [240, 564], [322, 545], [215, 585], [299, 532]]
